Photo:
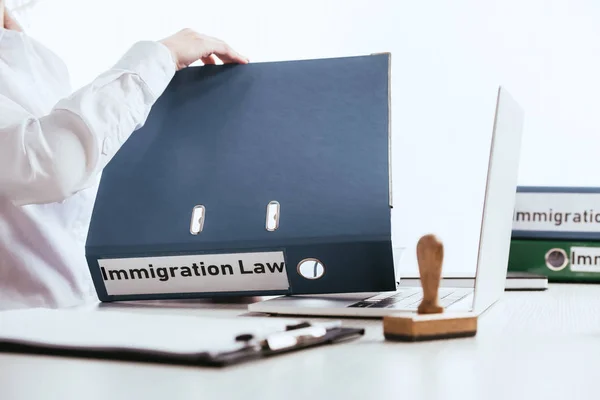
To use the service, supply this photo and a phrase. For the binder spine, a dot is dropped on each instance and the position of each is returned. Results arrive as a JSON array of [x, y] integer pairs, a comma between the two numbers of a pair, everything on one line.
[[559, 260], [332, 267]]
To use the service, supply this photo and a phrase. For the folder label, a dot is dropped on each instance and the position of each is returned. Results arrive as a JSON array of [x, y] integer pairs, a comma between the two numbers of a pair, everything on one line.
[[585, 259], [231, 272], [557, 212]]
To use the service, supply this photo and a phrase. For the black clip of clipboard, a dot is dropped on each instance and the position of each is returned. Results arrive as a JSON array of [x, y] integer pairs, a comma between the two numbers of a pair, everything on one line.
[[296, 337]]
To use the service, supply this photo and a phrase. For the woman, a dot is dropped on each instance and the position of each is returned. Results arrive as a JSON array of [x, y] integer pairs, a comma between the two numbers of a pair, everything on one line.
[[53, 146]]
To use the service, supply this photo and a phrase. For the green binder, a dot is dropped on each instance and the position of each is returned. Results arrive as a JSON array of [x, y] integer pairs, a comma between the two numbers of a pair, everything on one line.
[[556, 233]]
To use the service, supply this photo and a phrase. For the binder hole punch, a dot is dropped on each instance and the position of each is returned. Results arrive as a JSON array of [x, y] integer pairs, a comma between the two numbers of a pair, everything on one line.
[[311, 268], [273, 211], [556, 259], [197, 222]]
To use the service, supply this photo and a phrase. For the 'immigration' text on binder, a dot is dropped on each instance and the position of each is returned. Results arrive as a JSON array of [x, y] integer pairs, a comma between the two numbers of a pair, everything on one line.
[[195, 273], [557, 212]]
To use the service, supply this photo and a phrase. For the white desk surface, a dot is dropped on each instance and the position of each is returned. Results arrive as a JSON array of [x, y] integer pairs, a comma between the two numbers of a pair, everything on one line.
[[530, 345]]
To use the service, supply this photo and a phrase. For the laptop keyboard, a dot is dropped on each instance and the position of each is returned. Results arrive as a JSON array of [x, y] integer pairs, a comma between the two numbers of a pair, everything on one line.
[[409, 299]]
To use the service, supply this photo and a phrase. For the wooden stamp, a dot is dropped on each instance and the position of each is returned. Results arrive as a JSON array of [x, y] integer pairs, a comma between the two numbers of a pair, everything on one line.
[[430, 322]]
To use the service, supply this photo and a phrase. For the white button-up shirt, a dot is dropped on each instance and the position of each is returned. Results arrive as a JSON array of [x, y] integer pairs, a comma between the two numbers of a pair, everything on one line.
[[53, 147]]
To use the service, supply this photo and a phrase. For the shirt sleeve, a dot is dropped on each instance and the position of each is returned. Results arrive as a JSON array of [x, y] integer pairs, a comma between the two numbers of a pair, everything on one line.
[[49, 158]]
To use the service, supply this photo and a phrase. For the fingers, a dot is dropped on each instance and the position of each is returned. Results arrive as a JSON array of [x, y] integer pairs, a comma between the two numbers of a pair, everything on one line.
[[187, 47], [227, 54], [209, 60], [232, 56]]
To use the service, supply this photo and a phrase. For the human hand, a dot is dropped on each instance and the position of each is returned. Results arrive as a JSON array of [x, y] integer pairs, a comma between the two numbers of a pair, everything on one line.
[[187, 47]]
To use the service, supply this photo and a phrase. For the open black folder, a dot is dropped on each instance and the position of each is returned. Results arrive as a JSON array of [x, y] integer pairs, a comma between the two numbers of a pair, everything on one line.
[[173, 339]]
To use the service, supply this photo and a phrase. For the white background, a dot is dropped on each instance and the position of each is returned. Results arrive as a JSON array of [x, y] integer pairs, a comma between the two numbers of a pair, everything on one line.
[[547, 53]]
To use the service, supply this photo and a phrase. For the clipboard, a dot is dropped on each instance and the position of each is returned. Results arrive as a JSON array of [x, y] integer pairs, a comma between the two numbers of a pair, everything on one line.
[[166, 339]]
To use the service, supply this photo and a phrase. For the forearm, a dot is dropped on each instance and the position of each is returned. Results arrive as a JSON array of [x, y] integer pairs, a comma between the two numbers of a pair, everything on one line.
[[49, 158]]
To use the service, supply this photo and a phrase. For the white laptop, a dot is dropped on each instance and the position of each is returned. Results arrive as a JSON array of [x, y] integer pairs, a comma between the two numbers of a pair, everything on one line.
[[493, 244]]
